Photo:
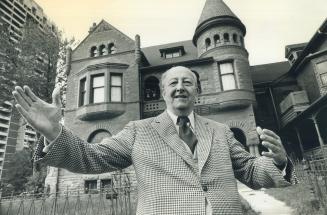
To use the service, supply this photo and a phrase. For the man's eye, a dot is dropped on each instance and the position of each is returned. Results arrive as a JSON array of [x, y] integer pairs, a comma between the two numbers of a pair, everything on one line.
[[173, 83], [188, 83]]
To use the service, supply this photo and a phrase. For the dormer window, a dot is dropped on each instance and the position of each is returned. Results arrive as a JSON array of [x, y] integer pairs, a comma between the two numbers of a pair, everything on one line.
[[172, 52]]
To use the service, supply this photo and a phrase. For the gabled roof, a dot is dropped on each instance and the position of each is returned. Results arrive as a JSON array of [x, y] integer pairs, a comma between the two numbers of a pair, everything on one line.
[[103, 26], [154, 58], [266, 73], [294, 47], [315, 41]]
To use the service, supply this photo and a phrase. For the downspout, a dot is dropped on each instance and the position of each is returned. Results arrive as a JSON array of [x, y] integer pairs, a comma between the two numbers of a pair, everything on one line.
[[138, 61]]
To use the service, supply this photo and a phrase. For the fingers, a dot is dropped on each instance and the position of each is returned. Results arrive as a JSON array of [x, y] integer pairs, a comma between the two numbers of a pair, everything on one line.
[[271, 147], [31, 95], [259, 130], [19, 99], [23, 112], [24, 95], [56, 97], [270, 139], [270, 133]]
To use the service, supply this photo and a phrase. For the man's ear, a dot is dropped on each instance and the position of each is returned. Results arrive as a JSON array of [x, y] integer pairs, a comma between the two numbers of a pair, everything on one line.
[[163, 92]]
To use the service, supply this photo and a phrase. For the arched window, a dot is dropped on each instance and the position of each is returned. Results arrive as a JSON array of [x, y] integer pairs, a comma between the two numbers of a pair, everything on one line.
[[198, 81], [226, 37], [93, 51], [240, 137], [102, 50], [207, 43], [216, 39], [235, 38], [151, 89], [98, 135], [111, 48], [242, 41]]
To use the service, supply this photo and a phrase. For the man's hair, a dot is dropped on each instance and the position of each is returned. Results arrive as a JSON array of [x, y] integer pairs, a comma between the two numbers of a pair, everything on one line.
[[163, 76]]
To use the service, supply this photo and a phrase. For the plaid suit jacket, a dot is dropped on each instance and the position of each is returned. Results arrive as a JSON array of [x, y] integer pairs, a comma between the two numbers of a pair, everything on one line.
[[169, 182]]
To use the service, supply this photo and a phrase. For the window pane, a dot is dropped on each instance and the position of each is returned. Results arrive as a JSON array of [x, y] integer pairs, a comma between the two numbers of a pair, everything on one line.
[[323, 78], [116, 94], [82, 95], [169, 55], [98, 95], [98, 81], [116, 80], [226, 68], [322, 67], [176, 54], [83, 99], [228, 82]]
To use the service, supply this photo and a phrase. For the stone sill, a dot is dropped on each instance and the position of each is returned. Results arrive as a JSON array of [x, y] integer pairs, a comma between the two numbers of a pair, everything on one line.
[[106, 110]]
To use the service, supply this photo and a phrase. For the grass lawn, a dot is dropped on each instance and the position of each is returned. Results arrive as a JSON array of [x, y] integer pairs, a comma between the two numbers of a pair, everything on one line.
[[298, 197]]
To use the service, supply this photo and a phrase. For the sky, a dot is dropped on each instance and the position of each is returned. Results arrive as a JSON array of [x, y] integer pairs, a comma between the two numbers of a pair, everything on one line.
[[271, 24]]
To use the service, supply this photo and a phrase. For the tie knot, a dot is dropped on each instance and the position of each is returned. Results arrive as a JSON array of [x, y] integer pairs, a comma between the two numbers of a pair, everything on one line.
[[182, 120]]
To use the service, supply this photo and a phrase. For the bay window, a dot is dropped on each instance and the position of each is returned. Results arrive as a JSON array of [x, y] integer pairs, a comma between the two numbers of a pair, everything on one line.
[[97, 89], [116, 88]]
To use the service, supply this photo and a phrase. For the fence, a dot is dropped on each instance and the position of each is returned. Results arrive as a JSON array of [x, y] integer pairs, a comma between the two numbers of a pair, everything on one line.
[[313, 172], [118, 199]]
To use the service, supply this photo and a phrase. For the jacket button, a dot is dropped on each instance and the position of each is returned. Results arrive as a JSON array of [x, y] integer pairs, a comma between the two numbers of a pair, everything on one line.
[[205, 188]]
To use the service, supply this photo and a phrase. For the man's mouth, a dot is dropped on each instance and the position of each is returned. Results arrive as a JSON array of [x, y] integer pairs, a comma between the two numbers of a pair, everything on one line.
[[180, 96]]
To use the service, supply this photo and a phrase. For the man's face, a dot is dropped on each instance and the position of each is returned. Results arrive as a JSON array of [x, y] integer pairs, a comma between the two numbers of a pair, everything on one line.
[[179, 90]]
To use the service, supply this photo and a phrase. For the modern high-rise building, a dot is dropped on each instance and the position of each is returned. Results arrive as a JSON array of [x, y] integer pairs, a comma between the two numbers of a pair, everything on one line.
[[17, 12], [5, 116], [14, 134]]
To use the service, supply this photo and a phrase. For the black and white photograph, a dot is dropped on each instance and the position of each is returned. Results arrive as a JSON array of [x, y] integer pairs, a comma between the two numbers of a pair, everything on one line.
[[150, 107]]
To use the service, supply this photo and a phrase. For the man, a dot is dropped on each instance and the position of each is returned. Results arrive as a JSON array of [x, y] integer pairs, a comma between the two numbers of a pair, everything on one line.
[[184, 163]]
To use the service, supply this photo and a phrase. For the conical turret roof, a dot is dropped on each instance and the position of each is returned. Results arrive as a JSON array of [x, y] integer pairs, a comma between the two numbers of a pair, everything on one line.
[[216, 12], [213, 9]]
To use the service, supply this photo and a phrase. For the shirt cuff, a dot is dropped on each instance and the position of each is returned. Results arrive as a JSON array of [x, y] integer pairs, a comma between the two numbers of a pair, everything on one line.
[[284, 170], [48, 145]]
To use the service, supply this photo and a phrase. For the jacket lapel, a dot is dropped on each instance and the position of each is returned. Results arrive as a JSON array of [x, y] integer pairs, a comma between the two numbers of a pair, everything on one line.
[[165, 127], [204, 135]]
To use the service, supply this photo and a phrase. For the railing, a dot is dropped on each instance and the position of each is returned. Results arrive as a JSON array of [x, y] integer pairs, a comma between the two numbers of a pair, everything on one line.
[[314, 173], [316, 153], [119, 198]]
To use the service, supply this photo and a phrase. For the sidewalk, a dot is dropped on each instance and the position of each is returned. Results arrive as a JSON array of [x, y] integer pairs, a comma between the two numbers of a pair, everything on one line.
[[262, 203]]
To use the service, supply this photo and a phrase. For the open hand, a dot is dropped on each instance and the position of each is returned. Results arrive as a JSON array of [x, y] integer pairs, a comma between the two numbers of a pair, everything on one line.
[[273, 143], [42, 116]]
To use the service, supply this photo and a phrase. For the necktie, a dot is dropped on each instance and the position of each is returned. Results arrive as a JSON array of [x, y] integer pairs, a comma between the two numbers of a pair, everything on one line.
[[185, 132]]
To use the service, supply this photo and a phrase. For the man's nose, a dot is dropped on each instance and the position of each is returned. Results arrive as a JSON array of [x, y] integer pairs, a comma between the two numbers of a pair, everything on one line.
[[180, 86]]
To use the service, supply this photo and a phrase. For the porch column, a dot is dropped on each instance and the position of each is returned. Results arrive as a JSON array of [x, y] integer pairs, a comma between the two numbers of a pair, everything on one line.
[[321, 142], [300, 140]]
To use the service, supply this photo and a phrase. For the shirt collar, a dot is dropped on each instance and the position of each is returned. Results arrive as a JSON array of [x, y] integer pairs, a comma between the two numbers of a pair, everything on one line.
[[174, 118]]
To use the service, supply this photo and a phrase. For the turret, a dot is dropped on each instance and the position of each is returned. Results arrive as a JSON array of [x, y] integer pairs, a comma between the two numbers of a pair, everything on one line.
[[220, 34], [218, 26]]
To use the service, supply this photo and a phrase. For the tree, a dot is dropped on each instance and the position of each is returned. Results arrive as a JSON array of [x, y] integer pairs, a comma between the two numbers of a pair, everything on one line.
[[34, 61], [20, 167], [37, 60], [8, 62]]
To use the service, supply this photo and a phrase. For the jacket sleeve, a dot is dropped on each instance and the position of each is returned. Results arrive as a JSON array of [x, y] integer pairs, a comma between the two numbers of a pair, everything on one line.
[[76, 155], [257, 172]]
